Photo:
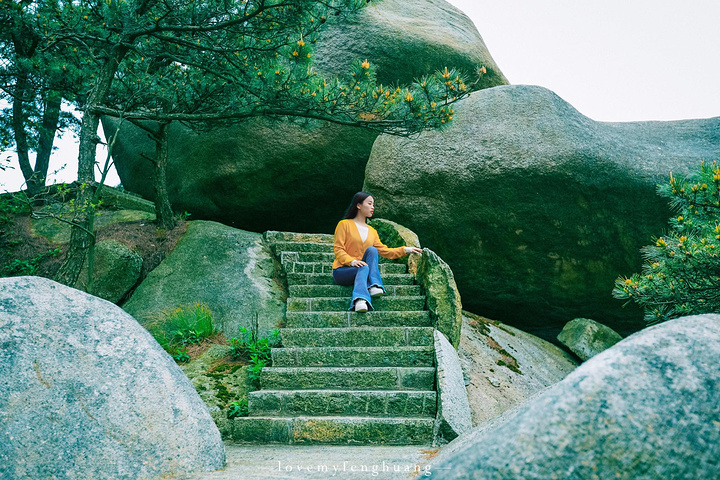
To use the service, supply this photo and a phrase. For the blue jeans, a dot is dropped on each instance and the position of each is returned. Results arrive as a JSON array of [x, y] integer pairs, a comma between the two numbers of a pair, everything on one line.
[[361, 278]]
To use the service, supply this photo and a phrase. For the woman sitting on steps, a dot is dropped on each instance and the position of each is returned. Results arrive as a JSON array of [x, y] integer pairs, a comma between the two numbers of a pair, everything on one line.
[[357, 246]]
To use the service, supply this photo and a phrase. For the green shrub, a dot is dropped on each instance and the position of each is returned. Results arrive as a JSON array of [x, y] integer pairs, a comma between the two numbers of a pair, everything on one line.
[[15, 203], [18, 267], [238, 408], [682, 273], [176, 329], [181, 356], [255, 350]]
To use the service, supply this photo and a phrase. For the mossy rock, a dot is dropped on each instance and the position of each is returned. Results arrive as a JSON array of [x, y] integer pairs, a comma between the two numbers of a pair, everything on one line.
[[442, 295], [117, 269], [586, 338], [231, 271], [217, 382]]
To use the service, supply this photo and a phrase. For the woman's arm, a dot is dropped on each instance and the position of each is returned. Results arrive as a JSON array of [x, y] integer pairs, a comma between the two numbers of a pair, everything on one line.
[[388, 252]]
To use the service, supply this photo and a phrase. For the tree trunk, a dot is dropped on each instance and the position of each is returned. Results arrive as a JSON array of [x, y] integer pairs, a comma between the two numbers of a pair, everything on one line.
[[51, 116], [18, 125], [163, 210], [81, 239]]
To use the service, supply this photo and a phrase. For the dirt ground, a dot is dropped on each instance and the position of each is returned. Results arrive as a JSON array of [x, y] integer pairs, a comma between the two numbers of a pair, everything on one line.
[[18, 243]]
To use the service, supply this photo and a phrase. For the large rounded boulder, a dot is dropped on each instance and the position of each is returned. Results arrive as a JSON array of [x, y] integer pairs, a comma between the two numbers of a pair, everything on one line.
[[646, 408], [281, 175], [536, 208], [86, 392], [229, 270]]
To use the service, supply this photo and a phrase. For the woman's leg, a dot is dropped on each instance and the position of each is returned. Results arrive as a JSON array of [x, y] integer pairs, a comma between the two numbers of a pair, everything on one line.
[[358, 278], [371, 257]]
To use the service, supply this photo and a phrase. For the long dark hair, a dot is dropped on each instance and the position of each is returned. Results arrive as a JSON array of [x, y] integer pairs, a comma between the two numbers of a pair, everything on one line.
[[359, 197]]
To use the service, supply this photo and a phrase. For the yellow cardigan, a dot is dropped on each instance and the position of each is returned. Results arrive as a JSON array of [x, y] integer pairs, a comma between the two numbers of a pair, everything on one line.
[[349, 245]]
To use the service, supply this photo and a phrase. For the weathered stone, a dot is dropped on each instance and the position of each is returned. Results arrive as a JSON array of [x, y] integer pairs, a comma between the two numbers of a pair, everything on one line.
[[586, 338], [326, 279], [442, 296], [363, 431], [340, 402], [218, 383], [505, 366], [453, 417], [273, 236], [645, 408], [339, 304], [354, 378], [122, 200], [527, 200], [85, 392], [346, 291], [247, 175], [406, 41], [353, 319], [353, 357], [359, 336], [117, 269], [333, 430], [229, 270]]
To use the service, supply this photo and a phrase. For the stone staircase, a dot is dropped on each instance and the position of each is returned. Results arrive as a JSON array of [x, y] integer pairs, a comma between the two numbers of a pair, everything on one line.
[[343, 377]]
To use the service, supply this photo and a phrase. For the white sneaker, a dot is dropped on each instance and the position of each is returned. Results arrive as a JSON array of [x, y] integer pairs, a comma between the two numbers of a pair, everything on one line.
[[361, 306], [375, 291]]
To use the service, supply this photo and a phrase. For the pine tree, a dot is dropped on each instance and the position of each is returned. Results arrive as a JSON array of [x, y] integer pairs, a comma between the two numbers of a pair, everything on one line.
[[681, 275], [208, 61]]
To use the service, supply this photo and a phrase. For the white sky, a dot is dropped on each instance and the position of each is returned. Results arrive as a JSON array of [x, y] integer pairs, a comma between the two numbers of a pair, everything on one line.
[[613, 60]]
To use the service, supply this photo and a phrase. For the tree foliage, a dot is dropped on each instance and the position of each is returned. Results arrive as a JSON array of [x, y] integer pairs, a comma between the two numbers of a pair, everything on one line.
[[682, 273], [203, 62], [34, 79]]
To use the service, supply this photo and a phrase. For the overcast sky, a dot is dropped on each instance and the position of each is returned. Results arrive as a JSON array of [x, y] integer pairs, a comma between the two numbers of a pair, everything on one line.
[[613, 60]]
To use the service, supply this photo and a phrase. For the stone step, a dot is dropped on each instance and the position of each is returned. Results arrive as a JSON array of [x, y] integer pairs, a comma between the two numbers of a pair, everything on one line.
[[353, 357], [326, 279], [340, 304], [355, 319], [319, 267], [376, 403], [342, 291], [322, 257], [272, 236], [279, 247], [334, 430], [349, 378], [357, 336]]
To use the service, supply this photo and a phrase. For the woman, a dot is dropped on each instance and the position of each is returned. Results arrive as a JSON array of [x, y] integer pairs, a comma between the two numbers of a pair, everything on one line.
[[357, 246]]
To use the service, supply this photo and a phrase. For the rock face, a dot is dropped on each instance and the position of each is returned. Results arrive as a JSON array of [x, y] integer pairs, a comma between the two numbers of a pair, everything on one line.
[[85, 392], [453, 417], [407, 40], [586, 338], [536, 207], [217, 382], [644, 409], [504, 366], [442, 296], [117, 269], [250, 175], [229, 270]]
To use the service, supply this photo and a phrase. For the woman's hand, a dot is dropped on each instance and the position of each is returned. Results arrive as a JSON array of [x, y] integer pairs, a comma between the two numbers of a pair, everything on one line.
[[409, 250], [358, 263]]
